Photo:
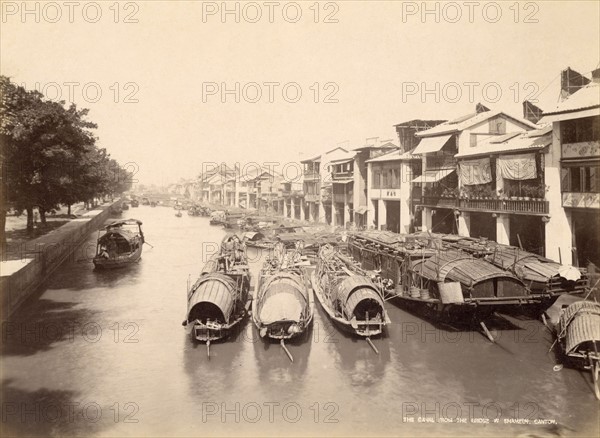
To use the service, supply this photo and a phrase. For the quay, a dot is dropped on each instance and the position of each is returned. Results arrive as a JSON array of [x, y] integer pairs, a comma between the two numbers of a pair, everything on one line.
[[25, 266]]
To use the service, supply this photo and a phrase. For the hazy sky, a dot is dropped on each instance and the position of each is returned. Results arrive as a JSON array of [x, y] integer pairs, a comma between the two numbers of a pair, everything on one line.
[[372, 64]]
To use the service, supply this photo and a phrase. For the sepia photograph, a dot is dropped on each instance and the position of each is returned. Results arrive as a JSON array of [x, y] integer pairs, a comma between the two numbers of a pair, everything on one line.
[[300, 218]]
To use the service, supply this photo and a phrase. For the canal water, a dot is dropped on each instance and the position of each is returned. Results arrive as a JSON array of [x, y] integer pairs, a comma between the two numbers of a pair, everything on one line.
[[104, 354]]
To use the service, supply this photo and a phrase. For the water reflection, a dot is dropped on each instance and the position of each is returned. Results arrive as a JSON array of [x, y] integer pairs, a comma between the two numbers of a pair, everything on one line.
[[171, 379]]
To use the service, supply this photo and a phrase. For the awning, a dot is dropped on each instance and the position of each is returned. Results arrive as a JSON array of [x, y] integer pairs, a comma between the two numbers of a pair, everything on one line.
[[361, 210], [342, 181], [431, 144], [342, 160], [431, 176]]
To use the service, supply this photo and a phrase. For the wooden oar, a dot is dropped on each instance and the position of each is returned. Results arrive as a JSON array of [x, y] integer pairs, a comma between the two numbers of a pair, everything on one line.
[[151, 246], [372, 345], [487, 332], [282, 343]]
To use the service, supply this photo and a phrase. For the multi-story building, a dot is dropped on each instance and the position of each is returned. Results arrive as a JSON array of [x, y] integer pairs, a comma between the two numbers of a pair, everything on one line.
[[502, 189], [373, 148], [390, 199], [573, 175], [438, 148], [312, 187], [342, 189], [311, 198]]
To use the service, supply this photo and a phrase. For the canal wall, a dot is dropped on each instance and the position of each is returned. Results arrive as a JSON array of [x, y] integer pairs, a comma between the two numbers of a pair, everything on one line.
[[25, 268]]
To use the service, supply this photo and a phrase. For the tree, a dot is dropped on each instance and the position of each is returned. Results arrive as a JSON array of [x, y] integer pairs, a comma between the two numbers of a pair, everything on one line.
[[48, 155]]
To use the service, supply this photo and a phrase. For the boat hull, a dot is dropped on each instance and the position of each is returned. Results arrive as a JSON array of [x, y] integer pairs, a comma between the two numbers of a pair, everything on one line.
[[118, 262], [374, 328]]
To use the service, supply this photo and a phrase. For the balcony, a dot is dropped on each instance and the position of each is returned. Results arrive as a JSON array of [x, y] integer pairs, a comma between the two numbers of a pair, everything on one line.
[[311, 176], [341, 197], [335, 176], [436, 201], [511, 206]]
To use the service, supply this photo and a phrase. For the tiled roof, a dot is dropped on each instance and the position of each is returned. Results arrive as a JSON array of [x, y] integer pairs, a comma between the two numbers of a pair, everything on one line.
[[467, 121], [586, 97], [396, 155], [514, 142]]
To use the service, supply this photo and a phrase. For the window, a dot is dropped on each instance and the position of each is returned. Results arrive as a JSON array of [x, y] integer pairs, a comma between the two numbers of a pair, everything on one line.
[[580, 130], [497, 126], [376, 178], [584, 178]]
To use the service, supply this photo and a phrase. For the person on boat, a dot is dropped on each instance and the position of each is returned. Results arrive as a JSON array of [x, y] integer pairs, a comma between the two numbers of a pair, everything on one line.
[[103, 251], [112, 246]]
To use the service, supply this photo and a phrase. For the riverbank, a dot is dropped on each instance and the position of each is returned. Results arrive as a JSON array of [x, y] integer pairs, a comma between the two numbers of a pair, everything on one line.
[[26, 264]]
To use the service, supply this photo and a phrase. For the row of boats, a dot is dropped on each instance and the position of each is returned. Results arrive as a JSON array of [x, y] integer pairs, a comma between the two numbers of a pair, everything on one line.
[[447, 278], [282, 304], [444, 277]]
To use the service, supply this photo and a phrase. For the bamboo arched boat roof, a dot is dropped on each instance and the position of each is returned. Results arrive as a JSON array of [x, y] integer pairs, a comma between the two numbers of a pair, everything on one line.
[[352, 290], [459, 266], [285, 282], [217, 289], [580, 323], [283, 296]]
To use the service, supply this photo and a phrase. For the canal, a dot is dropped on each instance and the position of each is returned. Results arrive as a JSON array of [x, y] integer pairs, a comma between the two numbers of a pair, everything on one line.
[[104, 354]]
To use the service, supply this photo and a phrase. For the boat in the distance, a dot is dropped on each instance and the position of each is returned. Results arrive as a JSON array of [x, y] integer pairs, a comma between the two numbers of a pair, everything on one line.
[[283, 301], [349, 295], [218, 300], [135, 203], [120, 244]]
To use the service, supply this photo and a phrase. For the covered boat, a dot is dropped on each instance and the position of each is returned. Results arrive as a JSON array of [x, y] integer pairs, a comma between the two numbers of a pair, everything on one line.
[[578, 333], [349, 295], [120, 244], [456, 277], [218, 217], [283, 303], [423, 273], [218, 300], [548, 278]]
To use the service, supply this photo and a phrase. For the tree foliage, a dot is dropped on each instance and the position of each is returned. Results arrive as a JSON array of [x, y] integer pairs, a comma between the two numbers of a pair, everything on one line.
[[49, 155]]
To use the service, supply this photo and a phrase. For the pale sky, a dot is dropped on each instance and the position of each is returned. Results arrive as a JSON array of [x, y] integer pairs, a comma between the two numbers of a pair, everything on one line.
[[373, 58]]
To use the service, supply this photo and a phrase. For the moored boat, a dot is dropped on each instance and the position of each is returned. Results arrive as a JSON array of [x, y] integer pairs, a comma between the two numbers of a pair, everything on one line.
[[578, 334], [120, 245], [349, 296], [424, 274], [135, 203], [547, 278], [283, 302], [218, 217], [218, 300]]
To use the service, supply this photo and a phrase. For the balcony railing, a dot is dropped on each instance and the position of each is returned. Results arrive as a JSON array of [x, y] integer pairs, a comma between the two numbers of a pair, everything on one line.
[[514, 206], [311, 198], [342, 175], [436, 201], [311, 176], [341, 197]]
